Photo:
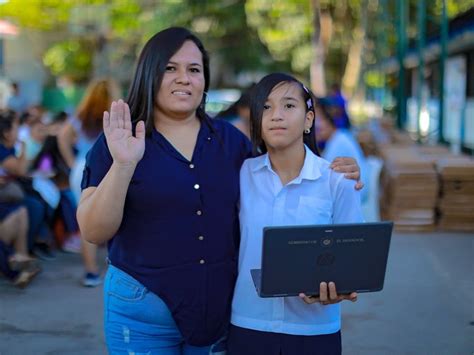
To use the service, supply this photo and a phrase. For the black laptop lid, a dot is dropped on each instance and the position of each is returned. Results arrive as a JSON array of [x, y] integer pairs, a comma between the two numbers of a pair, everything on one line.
[[298, 258]]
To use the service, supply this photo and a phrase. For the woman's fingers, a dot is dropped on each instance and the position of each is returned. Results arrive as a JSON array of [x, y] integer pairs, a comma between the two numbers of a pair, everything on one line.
[[119, 116], [116, 113], [359, 185], [121, 112], [140, 130], [113, 116], [127, 117], [350, 171], [341, 161], [352, 176], [346, 168], [106, 122]]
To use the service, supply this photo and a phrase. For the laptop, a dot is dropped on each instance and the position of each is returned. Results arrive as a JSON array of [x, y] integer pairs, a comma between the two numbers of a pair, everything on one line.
[[297, 259]]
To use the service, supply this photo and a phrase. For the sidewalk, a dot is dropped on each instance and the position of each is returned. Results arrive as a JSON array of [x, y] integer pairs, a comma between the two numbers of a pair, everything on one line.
[[426, 307]]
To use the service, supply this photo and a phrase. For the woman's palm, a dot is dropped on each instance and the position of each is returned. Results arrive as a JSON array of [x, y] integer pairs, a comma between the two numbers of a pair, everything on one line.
[[123, 146]]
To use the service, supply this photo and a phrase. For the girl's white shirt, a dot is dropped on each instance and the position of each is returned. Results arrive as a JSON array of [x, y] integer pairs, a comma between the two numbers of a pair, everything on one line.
[[317, 196]]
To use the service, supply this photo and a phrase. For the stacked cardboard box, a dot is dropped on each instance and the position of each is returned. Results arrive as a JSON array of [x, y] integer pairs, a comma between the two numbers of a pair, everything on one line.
[[423, 187], [409, 189], [456, 203], [434, 152]]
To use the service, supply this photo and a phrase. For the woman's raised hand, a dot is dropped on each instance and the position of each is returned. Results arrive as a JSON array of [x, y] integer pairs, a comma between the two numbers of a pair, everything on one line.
[[125, 148]]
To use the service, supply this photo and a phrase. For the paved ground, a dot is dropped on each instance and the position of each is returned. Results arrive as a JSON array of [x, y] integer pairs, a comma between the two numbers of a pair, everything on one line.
[[426, 307]]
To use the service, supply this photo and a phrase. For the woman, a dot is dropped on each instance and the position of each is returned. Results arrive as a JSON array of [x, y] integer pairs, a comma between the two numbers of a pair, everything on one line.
[[287, 184], [163, 192], [77, 136]]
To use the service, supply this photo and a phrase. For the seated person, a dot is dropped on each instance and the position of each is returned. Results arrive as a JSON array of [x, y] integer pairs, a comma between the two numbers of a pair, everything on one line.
[[15, 167], [20, 278]]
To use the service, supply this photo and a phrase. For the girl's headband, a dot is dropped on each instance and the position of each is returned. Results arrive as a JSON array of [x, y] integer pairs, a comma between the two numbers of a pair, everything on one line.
[[309, 102]]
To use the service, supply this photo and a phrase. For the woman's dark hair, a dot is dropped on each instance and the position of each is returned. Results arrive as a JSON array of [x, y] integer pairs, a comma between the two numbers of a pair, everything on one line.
[[260, 95], [151, 67], [7, 118]]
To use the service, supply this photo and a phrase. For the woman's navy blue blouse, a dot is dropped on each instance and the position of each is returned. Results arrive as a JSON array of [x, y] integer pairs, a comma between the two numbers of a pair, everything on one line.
[[180, 232]]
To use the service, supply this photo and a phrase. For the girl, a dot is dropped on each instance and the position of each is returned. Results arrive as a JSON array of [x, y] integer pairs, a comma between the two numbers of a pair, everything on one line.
[[287, 184]]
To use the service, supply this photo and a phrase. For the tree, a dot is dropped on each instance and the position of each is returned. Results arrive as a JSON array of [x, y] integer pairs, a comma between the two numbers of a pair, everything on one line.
[[82, 31], [112, 32], [222, 25], [313, 36]]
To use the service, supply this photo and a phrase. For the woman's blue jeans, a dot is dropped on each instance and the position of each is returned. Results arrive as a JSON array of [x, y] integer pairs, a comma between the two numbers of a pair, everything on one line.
[[137, 322]]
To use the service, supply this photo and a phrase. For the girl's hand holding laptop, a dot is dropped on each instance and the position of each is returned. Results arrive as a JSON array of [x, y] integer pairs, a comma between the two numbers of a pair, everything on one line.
[[328, 295]]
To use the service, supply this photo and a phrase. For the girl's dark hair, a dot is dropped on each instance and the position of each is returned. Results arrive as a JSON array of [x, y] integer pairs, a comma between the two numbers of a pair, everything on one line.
[[7, 118], [151, 67], [260, 95]]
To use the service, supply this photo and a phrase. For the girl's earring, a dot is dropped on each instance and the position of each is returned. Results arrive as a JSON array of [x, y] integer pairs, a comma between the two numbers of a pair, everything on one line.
[[307, 131]]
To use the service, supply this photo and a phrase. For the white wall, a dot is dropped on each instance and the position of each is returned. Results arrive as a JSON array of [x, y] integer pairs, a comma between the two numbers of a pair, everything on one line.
[[469, 124], [23, 64]]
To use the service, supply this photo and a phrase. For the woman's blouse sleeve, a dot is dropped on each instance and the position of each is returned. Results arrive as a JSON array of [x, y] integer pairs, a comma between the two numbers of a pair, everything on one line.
[[98, 163]]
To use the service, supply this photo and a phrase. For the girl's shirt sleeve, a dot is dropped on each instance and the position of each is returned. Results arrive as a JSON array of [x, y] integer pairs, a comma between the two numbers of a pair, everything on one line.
[[347, 201]]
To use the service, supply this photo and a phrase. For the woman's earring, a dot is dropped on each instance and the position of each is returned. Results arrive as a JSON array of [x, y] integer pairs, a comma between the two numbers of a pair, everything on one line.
[[307, 131]]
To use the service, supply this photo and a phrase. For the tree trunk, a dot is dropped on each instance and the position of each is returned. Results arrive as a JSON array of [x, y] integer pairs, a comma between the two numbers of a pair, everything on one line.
[[322, 31], [352, 73]]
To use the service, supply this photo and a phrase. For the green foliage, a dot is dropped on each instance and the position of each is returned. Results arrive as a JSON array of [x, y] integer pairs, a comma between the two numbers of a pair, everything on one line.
[[374, 79], [285, 27], [71, 58], [125, 18], [243, 34], [45, 15], [79, 23], [453, 7], [220, 24]]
